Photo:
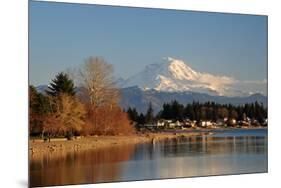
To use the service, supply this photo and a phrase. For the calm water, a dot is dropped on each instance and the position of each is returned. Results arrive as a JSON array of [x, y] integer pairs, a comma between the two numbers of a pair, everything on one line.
[[227, 152]]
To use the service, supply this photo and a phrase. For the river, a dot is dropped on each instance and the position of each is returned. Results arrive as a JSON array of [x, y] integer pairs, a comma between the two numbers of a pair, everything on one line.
[[221, 153]]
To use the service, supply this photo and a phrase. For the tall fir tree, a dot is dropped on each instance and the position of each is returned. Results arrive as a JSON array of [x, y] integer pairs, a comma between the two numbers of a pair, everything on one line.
[[61, 84], [149, 117], [133, 114], [141, 119]]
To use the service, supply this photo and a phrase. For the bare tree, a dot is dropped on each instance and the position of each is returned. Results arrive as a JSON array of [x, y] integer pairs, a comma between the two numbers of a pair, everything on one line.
[[96, 80], [97, 84]]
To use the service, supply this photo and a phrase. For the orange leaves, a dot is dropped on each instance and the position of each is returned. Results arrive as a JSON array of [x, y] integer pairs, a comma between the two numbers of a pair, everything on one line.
[[109, 120], [68, 116]]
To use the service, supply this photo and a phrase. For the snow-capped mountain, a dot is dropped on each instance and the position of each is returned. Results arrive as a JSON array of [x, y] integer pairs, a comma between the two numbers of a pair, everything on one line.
[[173, 79], [173, 75]]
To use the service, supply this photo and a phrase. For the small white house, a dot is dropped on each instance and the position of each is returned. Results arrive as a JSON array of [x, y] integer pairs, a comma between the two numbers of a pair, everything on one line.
[[206, 123], [189, 123], [171, 125], [160, 123], [178, 123]]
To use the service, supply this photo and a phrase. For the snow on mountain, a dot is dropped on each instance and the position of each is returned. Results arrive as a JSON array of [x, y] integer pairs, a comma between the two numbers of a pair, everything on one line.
[[175, 75]]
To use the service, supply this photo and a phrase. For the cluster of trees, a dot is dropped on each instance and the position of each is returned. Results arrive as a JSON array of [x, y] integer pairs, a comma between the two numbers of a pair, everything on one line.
[[201, 111], [141, 118], [65, 110], [213, 111]]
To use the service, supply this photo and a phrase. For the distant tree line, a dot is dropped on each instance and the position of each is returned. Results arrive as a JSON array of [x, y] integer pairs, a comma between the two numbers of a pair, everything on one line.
[[61, 111], [141, 118], [201, 111]]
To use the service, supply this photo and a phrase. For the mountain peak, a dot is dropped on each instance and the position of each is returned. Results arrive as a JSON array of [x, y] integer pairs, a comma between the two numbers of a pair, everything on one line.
[[180, 70], [173, 61], [174, 75]]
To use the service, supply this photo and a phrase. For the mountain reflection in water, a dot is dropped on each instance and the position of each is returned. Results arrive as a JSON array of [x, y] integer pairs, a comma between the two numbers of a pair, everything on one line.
[[218, 154]]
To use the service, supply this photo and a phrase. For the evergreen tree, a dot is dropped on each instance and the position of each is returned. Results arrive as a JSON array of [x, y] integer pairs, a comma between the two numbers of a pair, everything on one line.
[[189, 112], [203, 111], [252, 111], [39, 104], [259, 115], [177, 110], [233, 114], [133, 114], [166, 112], [141, 119], [149, 118], [61, 84]]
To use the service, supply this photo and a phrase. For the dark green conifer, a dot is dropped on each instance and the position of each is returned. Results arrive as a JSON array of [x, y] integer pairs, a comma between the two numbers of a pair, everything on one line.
[[61, 84]]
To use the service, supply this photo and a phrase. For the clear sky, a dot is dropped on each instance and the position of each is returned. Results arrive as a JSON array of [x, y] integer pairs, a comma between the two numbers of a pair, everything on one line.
[[62, 35]]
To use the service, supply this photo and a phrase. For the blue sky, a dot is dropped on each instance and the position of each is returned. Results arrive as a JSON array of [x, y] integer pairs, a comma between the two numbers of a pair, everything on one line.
[[62, 35]]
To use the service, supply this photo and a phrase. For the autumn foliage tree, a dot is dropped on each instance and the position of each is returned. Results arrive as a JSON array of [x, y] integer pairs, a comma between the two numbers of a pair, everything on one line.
[[110, 120], [60, 112], [104, 115], [39, 108], [68, 117]]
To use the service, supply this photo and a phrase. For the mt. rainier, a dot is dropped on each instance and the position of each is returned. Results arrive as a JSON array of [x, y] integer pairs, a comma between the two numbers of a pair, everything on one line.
[[173, 75], [173, 79]]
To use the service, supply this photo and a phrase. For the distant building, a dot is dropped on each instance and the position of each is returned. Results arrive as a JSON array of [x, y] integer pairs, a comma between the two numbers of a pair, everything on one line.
[[178, 123], [187, 123], [160, 123], [205, 123], [172, 125]]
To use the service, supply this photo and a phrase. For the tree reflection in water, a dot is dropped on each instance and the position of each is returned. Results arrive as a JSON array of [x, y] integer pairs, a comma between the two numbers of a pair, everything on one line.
[[204, 155], [78, 167]]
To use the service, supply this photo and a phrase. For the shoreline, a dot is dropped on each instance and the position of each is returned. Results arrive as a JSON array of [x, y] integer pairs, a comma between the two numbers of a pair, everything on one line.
[[100, 142]]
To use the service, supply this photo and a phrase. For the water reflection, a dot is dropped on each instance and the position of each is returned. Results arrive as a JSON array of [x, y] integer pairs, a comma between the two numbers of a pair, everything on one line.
[[200, 156], [78, 167], [182, 157]]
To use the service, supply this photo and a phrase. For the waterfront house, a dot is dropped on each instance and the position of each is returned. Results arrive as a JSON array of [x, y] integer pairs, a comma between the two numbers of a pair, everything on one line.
[[178, 123], [188, 123], [205, 123], [171, 124], [160, 123]]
